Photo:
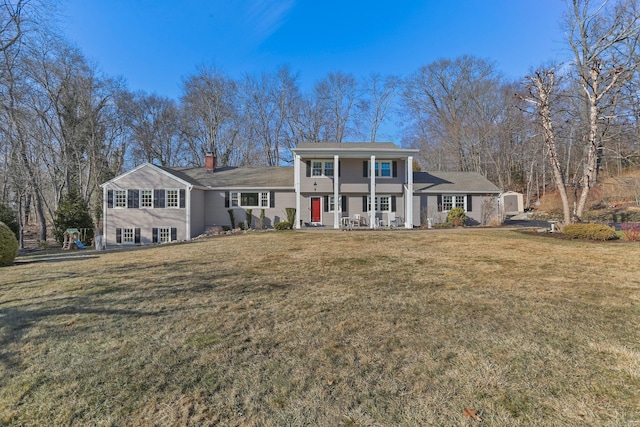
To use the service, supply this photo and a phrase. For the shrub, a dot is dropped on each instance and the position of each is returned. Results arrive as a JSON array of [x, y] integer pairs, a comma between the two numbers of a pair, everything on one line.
[[589, 232], [10, 219], [456, 217], [631, 231], [282, 225], [249, 216], [8, 245], [291, 216], [72, 212], [232, 218]]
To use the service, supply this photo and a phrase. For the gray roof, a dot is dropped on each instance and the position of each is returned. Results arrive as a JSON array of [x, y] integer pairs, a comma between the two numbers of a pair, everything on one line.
[[347, 145], [237, 177], [353, 149], [452, 182]]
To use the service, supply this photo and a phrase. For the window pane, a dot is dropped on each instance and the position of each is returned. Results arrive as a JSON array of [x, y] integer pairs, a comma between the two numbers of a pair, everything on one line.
[[385, 168], [172, 198], [317, 169], [121, 199], [328, 168], [447, 203], [146, 198], [165, 234], [249, 199], [234, 199], [127, 235], [264, 200], [384, 203]]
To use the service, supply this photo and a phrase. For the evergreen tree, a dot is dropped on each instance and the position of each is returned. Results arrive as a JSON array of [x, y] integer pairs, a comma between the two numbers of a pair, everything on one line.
[[73, 212]]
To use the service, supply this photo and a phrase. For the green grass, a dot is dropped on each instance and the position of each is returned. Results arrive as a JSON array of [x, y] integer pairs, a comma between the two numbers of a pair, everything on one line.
[[326, 328]]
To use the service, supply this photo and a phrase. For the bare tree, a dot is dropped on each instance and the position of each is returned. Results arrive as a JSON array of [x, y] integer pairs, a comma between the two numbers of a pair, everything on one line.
[[379, 95], [336, 95], [154, 128], [604, 43], [542, 91], [210, 114]]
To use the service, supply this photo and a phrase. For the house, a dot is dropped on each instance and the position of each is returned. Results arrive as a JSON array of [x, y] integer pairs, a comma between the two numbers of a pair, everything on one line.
[[334, 185]]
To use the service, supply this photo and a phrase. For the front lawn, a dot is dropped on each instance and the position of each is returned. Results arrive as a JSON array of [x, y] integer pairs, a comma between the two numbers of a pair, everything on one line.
[[398, 328]]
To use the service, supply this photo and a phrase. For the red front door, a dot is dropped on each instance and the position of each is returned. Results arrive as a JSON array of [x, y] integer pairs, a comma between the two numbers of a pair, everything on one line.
[[315, 209]]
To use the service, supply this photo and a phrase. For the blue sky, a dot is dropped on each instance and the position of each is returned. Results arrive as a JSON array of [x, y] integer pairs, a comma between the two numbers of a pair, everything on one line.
[[153, 44]]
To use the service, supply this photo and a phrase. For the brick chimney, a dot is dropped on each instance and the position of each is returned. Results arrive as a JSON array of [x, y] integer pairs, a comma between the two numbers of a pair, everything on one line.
[[209, 162]]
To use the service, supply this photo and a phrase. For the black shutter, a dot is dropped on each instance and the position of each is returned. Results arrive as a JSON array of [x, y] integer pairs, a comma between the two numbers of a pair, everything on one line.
[[439, 202], [137, 235], [154, 235], [344, 203], [394, 166], [158, 198], [272, 199], [183, 200], [365, 205], [174, 234], [226, 199], [110, 198], [339, 167], [393, 203], [326, 203], [308, 167], [118, 235], [365, 168], [469, 203], [133, 198]]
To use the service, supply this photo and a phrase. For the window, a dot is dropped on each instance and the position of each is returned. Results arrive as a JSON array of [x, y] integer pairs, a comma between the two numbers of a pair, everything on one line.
[[164, 234], [120, 199], [332, 205], [250, 200], [320, 168], [383, 203], [128, 235], [328, 168], [172, 198], [383, 168], [450, 201], [316, 169], [146, 198]]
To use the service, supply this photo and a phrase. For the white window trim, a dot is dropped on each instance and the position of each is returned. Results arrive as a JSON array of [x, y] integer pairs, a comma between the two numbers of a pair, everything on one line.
[[115, 199], [378, 197], [377, 166], [166, 198], [323, 168], [331, 196], [454, 201], [133, 236], [160, 230], [141, 198], [238, 199]]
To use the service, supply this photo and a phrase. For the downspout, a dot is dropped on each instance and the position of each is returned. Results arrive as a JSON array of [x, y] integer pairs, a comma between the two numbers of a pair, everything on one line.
[[188, 211]]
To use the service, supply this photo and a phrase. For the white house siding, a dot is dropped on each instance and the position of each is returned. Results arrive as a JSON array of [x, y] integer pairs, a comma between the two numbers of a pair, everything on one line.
[[145, 219]]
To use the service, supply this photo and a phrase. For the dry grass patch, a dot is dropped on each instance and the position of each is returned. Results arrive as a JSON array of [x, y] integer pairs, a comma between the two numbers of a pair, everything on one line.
[[325, 328]]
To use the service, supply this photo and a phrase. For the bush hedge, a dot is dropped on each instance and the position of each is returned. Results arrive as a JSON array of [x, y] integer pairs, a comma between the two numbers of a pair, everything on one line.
[[282, 225], [10, 219], [8, 245], [589, 232], [456, 217]]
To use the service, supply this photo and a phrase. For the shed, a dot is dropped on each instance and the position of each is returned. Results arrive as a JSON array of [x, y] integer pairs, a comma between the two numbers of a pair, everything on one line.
[[512, 203]]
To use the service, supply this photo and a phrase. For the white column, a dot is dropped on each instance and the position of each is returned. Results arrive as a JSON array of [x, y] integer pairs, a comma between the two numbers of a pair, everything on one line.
[[409, 205], [336, 195], [296, 184], [372, 204]]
